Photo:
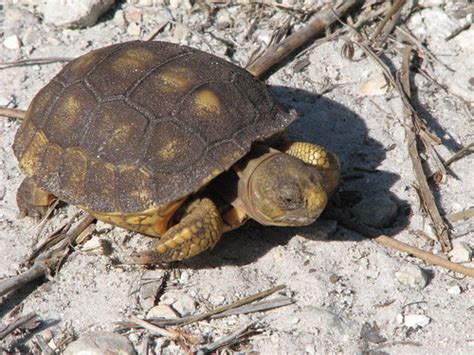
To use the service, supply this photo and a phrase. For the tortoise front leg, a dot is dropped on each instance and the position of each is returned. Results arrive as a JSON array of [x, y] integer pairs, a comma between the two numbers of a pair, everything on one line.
[[199, 229], [317, 156], [31, 200]]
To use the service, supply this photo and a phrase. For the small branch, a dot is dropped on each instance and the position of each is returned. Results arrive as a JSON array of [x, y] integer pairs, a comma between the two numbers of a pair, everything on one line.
[[459, 154], [279, 51], [12, 113], [17, 323], [458, 31], [427, 199], [18, 281], [392, 243], [46, 261]]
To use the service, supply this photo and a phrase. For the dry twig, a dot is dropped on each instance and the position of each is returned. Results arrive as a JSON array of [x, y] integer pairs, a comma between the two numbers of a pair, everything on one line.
[[458, 216], [459, 154], [392, 243], [48, 260], [12, 113], [427, 199], [17, 323], [278, 52], [230, 339]]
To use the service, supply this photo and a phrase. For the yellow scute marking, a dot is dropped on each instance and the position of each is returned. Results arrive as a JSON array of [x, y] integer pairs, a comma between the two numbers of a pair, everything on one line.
[[207, 102], [175, 79], [86, 61], [31, 158], [71, 106], [121, 133], [168, 152], [132, 59]]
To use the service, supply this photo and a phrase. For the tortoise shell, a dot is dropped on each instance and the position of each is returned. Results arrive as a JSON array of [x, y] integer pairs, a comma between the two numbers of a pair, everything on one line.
[[140, 125]]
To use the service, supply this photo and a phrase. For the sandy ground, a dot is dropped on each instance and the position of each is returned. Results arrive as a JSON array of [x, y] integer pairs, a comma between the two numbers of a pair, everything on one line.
[[339, 280]]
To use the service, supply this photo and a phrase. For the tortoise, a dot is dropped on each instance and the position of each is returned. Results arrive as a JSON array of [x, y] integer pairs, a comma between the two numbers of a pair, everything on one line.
[[170, 142]]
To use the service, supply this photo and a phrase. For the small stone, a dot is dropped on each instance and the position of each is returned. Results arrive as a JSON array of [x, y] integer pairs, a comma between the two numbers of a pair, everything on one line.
[[376, 211], [181, 302], [100, 343], [461, 253], [102, 227], [7, 100], [180, 31], [133, 14], [74, 14], [12, 42], [416, 320], [455, 290], [98, 246], [412, 276], [162, 311], [152, 282], [133, 29], [374, 86], [400, 318]]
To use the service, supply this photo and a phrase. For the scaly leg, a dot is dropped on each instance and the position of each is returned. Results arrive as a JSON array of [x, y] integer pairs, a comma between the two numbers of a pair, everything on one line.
[[319, 157], [31, 200], [199, 229]]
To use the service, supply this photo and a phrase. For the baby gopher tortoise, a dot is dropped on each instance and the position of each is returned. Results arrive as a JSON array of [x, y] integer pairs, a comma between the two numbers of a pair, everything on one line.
[[170, 142]]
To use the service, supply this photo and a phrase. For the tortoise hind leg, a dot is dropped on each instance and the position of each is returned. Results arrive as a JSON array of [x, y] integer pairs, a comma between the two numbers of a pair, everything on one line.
[[31, 200], [199, 229]]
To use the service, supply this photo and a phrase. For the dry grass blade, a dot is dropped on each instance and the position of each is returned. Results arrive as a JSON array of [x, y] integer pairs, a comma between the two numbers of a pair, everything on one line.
[[278, 52], [17, 323], [33, 61], [235, 304], [393, 10], [171, 334], [459, 216], [230, 339], [12, 113], [257, 307], [427, 199], [394, 13]]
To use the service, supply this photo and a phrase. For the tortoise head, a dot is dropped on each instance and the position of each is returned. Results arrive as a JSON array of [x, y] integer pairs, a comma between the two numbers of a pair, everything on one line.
[[281, 190]]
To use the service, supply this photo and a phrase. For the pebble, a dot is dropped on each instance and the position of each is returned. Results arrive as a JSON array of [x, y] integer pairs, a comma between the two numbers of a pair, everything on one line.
[[162, 311], [133, 29], [412, 276], [100, 343], [376, 211], [455, 290], [98, 246], [181, 302], [102, 227], [374, 86], [133, 14], [416, 320], [152, 282], [12, 42], [461, 253], [73, 14]]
